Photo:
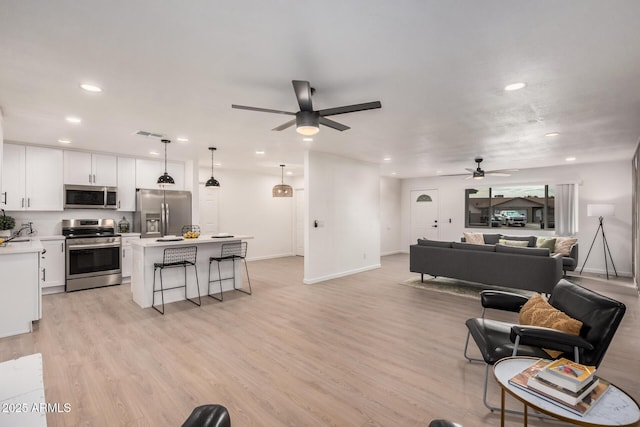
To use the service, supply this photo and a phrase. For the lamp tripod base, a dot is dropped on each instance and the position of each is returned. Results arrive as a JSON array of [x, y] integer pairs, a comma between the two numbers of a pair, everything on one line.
[[605, 248]]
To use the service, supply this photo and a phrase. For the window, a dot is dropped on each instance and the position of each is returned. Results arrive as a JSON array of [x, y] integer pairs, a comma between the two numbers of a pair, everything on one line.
[[530, 206]]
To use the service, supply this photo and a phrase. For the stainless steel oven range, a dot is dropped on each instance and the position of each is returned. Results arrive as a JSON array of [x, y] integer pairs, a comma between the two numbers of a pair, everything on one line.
[[93, 253]]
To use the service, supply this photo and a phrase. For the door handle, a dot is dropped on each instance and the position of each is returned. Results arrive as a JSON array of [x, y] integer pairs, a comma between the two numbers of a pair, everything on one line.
[[44, 274], [22, 203], [118, 204], [89, 178], [5, 198], [94, 178], [28, 202], [435, 226]]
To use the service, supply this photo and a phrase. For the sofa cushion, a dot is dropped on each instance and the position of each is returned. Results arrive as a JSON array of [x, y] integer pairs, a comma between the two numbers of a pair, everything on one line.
[[531, 239], [474, 238], [434, 243], [491, 239], [538, 312], [519, 243], [546, 242], [474, 247], [563, 245], [522, 251]]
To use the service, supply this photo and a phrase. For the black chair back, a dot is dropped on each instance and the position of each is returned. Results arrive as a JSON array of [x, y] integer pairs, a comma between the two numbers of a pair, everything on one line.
[[599, 314]]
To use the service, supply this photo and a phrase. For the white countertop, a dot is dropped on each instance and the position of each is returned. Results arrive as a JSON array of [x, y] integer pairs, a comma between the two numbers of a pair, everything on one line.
[[27, 246], [203, 239]]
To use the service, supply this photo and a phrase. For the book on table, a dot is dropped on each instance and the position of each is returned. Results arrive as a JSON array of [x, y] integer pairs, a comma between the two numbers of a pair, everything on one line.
[[521, 380], [568, 374], [567, 396]]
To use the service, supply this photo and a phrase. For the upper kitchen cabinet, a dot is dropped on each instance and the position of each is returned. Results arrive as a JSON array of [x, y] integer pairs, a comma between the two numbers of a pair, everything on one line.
[[126, 184], [82, 168], [31, 178], [148, 171]]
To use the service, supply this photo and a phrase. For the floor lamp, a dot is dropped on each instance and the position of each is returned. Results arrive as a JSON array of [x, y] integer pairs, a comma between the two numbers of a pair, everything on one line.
[[601, 211]]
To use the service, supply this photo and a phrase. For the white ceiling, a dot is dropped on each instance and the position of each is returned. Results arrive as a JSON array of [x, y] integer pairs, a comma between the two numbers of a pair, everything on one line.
[[438, 67]]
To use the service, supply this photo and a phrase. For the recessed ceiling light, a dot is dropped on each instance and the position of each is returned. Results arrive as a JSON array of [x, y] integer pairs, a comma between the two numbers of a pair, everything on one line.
[[289, 173], [393, 173], [515, 86], [551, 134], [64, 141], [439, 172], [153, 153], [259, 152], [182, 139], [307, 139], [570, 159], [72, 119], [217, 164], [387, 159], [90, 88]]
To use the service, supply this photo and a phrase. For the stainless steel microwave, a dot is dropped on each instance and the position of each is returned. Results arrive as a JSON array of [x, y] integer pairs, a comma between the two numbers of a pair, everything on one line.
[[90, 197]]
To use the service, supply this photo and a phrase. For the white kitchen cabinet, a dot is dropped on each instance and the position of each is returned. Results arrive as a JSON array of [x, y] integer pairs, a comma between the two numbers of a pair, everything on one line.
[[126, 184], [31, 178], [52, 266], [82, 168], [148, 171], [127, 253]]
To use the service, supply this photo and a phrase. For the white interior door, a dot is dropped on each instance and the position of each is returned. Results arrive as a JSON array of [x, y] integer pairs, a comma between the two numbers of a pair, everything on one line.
[[424, 215], [208, 204], [299, 232]]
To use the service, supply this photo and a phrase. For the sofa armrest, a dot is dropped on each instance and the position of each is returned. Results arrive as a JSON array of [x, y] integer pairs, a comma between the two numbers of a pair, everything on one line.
[[500, 300], [549, 338], [573, 253]]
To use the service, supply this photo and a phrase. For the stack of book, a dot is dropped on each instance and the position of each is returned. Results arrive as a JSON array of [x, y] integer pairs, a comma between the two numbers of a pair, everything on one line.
[[568, 384]]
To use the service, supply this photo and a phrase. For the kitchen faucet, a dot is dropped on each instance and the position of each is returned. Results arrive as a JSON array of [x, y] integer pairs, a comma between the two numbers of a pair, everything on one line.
[[27, 226]]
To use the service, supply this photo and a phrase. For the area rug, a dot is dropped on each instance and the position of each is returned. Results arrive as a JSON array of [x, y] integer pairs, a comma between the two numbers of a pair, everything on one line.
[[457, 287]]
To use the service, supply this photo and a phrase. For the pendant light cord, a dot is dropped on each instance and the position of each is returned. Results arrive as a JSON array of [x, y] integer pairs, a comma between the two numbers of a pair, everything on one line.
[[212, 163]]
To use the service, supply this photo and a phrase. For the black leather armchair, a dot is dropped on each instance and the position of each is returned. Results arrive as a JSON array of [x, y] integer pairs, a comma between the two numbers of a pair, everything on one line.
[[599, 314], [208, 416]]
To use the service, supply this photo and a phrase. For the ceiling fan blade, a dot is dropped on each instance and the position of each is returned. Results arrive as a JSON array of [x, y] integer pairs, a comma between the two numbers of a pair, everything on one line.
[[350, 108], [497, 173], [263, 110], [332, 124], [303, 93], [285, 125], [470, 170]]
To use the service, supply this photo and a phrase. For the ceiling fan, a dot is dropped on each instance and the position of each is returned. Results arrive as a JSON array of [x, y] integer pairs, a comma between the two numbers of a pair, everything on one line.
[[479, 173], [308, 120]]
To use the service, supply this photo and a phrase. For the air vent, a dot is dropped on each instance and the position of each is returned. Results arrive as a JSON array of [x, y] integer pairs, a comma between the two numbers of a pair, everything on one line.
[[149, 134]]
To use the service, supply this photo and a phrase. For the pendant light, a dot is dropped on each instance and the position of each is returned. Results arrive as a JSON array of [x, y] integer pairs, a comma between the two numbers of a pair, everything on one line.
[[165, 179], [282, 190], [212, 182]]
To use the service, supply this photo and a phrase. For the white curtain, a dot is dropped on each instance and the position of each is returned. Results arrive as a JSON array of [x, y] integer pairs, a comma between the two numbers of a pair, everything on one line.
[[566, 212]]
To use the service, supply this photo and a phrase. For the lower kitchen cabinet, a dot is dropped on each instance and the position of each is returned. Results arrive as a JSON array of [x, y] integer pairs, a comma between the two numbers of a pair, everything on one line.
[[52, 265], [127, 254]]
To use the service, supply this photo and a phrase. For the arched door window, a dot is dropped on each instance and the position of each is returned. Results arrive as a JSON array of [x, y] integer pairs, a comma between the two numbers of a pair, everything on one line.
[[424, 198]]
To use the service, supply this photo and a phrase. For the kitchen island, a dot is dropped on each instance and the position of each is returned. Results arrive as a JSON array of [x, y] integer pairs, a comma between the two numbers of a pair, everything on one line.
[[146, 252], [19, 286]]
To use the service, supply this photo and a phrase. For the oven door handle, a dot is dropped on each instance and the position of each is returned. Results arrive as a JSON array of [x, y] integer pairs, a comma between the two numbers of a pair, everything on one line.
[[93, 246]]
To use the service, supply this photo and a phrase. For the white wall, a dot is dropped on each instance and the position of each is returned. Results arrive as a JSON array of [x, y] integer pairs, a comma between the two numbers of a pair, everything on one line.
[[246, 206], [344, 196], [597, 183], [390, 214]]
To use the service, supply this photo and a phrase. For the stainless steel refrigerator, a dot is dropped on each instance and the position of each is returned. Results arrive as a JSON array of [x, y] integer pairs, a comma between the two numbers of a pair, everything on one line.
[[160, 213]]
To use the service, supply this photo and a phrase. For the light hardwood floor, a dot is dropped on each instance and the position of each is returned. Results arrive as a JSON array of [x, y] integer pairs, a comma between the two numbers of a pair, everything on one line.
[[356, 351]]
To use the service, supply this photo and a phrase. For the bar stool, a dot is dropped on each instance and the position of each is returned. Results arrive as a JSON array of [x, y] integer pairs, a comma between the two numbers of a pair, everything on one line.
[[176, 257], [230, 252]]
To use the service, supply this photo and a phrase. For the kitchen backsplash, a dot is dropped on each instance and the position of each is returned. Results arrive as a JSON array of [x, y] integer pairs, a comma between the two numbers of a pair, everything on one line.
[[48, 223]]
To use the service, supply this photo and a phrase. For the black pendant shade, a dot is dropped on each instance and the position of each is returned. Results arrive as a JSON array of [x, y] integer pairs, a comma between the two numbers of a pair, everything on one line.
[[282, 190], [212, 182], [165, 179]]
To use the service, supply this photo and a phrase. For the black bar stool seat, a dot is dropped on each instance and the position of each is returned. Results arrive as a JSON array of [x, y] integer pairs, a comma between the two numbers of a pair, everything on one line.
[[184, 257], [230, 252]]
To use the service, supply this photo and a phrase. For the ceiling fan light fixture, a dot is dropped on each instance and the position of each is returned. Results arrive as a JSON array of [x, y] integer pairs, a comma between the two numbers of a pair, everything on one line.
[[212, 182], [165, 180], [307, 130], [282, 189], [307, 123]]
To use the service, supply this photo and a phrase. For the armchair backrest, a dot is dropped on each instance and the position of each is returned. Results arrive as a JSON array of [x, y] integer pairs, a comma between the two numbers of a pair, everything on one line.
[[599, 314]]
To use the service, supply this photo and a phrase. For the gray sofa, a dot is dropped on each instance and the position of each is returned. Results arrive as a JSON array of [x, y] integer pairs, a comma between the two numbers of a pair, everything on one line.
[[569, 262], [525, 268]]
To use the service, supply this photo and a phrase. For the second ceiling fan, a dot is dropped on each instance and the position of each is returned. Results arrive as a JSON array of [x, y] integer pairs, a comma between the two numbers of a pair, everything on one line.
[[479, 173], [308, 120]]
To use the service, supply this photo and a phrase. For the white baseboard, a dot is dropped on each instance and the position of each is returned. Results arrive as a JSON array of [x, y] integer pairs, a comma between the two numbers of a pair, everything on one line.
[[260, 258], [341, 274], [398, 251], [604, 272]]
